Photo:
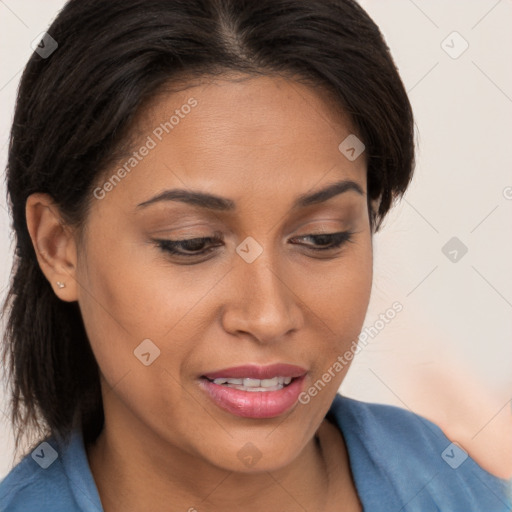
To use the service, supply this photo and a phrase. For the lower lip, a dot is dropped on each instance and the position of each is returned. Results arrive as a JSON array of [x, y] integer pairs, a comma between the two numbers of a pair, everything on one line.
[[254, 404]]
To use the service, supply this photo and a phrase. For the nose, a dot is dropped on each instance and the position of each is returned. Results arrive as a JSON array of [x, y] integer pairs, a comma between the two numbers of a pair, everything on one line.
[[262, 302]]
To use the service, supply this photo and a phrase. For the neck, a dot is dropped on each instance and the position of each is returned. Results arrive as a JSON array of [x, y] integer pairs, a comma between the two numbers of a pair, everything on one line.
[[155, 475]]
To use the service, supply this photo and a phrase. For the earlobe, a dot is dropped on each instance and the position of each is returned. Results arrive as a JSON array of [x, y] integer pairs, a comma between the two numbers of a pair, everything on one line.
[[54, 245]]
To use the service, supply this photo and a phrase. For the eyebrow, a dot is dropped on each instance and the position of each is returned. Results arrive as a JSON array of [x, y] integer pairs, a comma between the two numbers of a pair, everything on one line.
[[213, 202]]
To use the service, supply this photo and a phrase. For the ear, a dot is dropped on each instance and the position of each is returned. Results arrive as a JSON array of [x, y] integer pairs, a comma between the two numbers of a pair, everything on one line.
[[54, 244], [374, 206]]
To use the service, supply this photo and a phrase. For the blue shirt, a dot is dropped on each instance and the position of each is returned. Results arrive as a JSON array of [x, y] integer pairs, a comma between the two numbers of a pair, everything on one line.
[[400, 461]]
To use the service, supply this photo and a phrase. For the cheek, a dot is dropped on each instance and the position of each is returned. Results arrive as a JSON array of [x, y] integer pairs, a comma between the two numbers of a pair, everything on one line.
[[127, 296], [342, 304], [346, 284], [122, 307], [131, 295]]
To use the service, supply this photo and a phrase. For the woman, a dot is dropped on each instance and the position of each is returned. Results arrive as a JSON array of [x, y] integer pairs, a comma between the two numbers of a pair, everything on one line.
[[194, 188]]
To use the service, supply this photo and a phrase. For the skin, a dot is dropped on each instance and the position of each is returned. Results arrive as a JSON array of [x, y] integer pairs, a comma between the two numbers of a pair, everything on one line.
[[262, 142]]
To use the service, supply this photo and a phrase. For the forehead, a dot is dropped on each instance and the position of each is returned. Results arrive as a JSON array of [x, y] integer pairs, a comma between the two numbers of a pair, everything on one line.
[[251, 111], [240, 137]]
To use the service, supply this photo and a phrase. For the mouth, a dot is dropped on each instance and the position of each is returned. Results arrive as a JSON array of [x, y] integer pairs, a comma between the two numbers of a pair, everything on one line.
[[253, 371], [255, 391], [253, 385]]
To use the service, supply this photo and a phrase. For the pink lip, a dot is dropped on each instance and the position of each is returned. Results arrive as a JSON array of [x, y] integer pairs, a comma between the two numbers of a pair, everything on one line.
[[253, 371], [254, 404]]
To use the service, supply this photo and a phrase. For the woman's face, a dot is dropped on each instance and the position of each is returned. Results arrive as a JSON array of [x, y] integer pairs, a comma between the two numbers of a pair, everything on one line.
[[261, 295]]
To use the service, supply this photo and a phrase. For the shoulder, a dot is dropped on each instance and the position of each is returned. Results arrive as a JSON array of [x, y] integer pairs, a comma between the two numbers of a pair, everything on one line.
[[390, 426], [414, 460], [41, 481], [28, 486]]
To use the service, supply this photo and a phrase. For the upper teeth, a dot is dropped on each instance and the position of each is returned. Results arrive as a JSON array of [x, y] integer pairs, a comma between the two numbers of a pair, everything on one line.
[[255, 383]]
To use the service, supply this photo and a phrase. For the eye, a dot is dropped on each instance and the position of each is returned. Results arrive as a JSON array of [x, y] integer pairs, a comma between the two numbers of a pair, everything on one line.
[[194, 247], [328, 241]]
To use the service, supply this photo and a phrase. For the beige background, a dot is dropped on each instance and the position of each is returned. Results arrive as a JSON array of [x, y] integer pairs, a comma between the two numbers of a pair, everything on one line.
[[448, 354]]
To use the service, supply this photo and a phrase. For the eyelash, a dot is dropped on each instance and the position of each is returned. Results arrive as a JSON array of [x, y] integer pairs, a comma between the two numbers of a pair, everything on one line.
[[170, 246]]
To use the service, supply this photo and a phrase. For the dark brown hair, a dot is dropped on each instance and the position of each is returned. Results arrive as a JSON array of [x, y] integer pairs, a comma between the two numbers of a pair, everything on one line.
[[74, 114]]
